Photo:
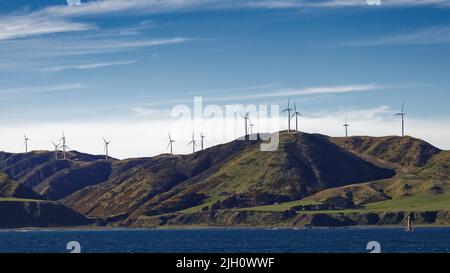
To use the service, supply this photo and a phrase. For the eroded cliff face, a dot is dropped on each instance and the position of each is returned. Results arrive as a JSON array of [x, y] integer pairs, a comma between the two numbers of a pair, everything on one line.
[[236, 218], [20, 214]]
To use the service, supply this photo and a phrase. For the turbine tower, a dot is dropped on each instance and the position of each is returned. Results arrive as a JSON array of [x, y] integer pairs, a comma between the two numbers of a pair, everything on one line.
[[25, 143], [56, 149], [346, 125], [106, 148], [402, 115], [193, 142], [246, 117], [64, 146], [296, 114], [251, 127], [288, 110], [171, 141], [202, 136]]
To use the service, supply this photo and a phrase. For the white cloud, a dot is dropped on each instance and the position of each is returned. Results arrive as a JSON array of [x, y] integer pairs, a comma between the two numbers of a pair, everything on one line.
[[304, 92], [40, 89], [433, 35], [35, 53], [150, 112], [88, 66], [55, 19], [24, 26], [137, 138]]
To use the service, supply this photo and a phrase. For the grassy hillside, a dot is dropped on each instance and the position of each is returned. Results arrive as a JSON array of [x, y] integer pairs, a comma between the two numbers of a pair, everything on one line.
[[13, 189], [232, 175], [54, 179], [425, 188], [303, 164], [309, 174], [406, 152]]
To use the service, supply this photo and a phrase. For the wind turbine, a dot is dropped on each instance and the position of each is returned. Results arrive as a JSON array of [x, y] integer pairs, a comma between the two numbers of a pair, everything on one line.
[[202, 136], [246, 117], [402, 114], [64, 146], [25, 143], [171, 141], [296, 114], [193, 142], [251, 127], [106, 148], [346, 125], [289, 109], [56, 149]]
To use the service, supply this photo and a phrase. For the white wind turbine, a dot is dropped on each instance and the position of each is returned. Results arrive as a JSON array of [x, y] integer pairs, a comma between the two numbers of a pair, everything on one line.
[[202, 136], [346, 125], [296, 114], [288, 110], [193, 142], [246, 116], [171, 141], [402, 115], [251, 127], [56, 149], [106, 148], [64, 145], [25, 143]]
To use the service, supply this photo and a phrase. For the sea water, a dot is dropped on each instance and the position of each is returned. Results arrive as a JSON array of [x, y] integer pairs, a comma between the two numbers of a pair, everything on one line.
[[341, 240]]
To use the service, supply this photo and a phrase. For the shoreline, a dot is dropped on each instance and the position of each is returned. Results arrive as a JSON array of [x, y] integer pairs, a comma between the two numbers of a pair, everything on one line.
[[180, 228]]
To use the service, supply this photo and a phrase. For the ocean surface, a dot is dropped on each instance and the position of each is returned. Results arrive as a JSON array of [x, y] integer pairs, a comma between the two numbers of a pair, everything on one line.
[[345, 240]]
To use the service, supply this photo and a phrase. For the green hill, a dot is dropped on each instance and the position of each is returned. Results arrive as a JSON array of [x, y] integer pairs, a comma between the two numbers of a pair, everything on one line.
[[406, 152], [233, 175], [423, 186], [309, 174], [10, 188]]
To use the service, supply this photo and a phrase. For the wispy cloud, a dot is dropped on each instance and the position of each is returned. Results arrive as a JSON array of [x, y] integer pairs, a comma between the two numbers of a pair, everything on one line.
[[157, 6], [88, 66], [35, 53], [25, 26], [305, 91], [40, 89], [60, 18], [433, 35]]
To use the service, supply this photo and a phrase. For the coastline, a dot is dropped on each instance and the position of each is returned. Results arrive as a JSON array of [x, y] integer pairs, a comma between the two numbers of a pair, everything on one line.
[[274, 228]]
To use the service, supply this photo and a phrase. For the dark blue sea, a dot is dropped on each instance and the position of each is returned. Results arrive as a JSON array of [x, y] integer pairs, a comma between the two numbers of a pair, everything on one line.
[[351, 240]]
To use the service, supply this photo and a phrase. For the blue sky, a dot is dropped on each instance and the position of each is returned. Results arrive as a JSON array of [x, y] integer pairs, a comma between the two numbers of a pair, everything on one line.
[[113, 64]]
